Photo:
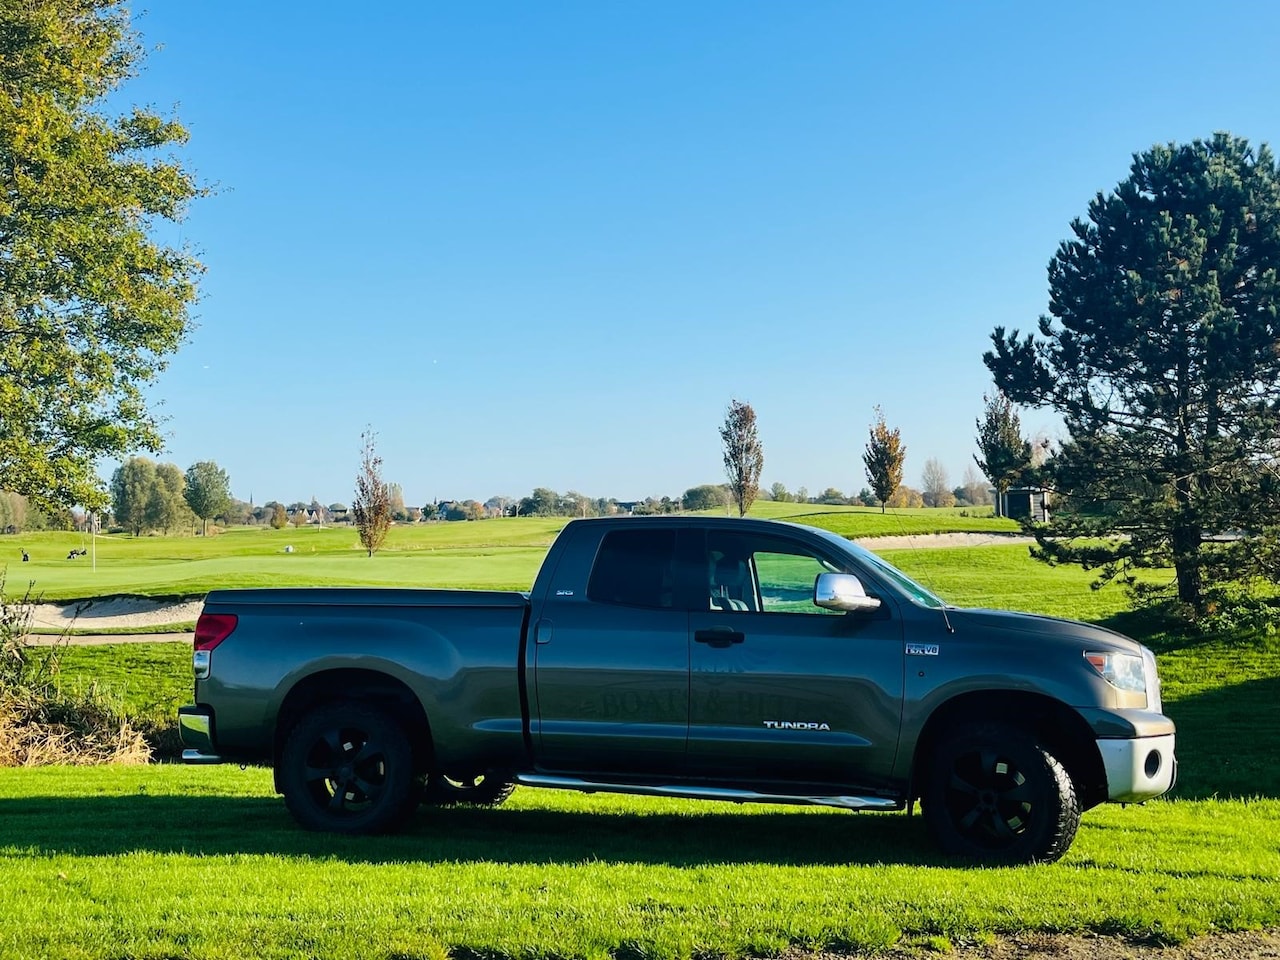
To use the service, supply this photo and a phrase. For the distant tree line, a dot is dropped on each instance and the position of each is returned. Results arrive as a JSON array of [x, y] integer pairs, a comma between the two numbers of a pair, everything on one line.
[[19, 515]]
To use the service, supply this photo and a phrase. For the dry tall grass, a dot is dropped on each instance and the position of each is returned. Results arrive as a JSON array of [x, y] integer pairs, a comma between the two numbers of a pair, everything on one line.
[[43, 724]]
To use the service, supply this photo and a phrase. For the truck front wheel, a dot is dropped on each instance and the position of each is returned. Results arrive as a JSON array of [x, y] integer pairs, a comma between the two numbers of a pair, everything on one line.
[[994, 794], [347, 768]]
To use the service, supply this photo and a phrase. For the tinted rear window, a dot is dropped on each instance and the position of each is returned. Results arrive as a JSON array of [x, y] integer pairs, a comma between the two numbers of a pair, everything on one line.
[[635, 568]]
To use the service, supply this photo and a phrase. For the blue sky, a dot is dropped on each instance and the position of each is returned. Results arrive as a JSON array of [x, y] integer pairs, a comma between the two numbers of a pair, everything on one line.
[[545, 244]]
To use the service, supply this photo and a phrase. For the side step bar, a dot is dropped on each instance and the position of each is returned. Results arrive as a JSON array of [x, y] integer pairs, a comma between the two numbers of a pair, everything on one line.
[[705, 793]]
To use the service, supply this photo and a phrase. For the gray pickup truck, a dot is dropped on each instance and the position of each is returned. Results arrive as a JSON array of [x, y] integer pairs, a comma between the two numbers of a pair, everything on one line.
[[691, 657]]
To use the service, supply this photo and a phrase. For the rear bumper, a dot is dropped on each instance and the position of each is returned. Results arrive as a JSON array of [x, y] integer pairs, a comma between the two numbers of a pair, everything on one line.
[[1139, 769], [195, 725]]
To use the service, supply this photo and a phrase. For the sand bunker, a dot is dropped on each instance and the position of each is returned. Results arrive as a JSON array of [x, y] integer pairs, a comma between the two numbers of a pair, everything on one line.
[[132, 612]]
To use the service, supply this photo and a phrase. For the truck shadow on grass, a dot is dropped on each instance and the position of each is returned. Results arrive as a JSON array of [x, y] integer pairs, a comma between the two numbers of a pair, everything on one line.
[[1227, 739], [217, 826]]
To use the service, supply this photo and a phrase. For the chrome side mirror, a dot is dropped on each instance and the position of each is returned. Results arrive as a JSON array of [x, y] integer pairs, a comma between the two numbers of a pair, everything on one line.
[[842, 591]]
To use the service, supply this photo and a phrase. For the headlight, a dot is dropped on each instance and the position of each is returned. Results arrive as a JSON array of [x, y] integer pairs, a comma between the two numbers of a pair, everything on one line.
[[1153, 682], [1124, 671]]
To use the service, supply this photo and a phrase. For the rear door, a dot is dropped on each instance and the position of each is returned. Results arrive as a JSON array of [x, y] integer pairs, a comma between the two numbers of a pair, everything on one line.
[[611, 662], [781, 689]]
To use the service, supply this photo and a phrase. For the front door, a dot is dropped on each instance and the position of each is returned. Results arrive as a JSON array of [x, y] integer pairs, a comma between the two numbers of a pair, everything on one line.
[[781, 689]]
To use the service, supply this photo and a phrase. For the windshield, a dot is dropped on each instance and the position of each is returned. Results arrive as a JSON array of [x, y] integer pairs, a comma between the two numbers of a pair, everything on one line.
[[886, 571]]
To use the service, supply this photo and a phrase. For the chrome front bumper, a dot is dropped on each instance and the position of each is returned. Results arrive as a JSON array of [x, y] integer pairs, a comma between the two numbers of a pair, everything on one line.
[[195, 725], [1138, 769]]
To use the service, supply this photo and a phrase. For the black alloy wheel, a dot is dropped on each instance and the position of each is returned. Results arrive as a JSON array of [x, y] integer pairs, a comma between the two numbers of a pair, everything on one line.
[[995, 794], [347, 768]]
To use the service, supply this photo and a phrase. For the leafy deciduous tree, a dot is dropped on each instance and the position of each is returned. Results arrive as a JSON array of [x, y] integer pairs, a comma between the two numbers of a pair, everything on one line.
[[208, 491], [706, 496], [543, 502], [130, 490], [883, 459], [166, 506], [832, 496], [396, 504], [90, 305], [1160, 353], [279, 516], [906, 496], [743, 454]]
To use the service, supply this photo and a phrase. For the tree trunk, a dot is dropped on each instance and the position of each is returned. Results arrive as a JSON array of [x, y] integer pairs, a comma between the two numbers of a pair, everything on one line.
[[1185, 540]]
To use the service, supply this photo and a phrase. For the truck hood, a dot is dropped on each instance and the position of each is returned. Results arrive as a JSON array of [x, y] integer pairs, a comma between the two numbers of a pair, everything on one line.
[[1029, 625]]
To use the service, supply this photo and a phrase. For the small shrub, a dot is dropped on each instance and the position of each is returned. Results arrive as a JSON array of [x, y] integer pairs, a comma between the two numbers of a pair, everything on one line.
[[1238, 607]]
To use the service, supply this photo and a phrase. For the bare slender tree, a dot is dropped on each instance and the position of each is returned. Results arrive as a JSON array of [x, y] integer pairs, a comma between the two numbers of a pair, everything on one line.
[[743, 454], [372, 506], [936, 484]]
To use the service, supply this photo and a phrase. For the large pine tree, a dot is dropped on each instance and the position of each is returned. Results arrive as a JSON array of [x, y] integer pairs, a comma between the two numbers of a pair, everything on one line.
[[1161, 351]]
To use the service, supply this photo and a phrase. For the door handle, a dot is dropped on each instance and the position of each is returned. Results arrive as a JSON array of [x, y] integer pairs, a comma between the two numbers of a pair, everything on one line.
[[718, 637]]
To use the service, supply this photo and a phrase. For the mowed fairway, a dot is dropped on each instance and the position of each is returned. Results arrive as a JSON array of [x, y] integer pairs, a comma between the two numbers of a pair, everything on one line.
[[488, 554], [169, 861], [497, 554]]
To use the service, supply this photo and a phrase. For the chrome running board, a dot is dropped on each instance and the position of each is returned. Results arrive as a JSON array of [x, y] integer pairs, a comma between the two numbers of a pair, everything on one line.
[[705, 793]]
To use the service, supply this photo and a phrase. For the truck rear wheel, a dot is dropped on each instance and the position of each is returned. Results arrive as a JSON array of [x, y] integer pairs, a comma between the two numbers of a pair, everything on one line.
[[347, 768], [994, 794], [487, 789]]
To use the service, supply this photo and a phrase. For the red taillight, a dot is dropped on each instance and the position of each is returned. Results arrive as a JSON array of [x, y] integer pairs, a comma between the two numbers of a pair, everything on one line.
[[213, 628]]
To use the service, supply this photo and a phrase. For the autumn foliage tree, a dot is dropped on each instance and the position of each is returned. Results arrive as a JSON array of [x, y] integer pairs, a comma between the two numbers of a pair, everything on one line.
[[1160, 354], [371, 509], [743, 454], [883, 458], [91, 306]]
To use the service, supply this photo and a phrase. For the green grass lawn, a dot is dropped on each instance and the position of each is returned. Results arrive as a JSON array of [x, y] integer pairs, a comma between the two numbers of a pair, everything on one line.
[[168, 861]]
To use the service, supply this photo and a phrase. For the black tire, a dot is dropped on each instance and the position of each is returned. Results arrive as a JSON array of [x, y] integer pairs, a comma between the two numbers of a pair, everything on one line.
[[487, 789], [347, 768], [996, 795]]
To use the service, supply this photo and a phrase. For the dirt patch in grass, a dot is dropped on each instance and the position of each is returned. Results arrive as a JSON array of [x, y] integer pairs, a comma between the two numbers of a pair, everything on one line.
[[1249, 945]]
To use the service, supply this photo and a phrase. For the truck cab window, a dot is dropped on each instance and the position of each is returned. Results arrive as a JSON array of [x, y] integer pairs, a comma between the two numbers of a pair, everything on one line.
[[762, 574], [635, 568]]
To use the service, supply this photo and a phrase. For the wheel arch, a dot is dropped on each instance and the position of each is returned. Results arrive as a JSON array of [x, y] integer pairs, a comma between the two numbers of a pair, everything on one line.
[[370, 687], [1059, 728]]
